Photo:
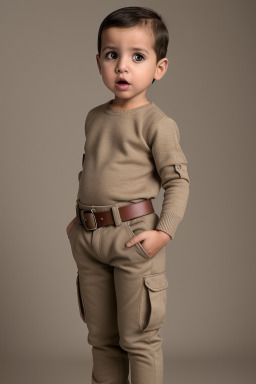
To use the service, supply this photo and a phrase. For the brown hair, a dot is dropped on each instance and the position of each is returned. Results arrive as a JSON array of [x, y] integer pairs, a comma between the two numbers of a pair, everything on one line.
[[127, 17]]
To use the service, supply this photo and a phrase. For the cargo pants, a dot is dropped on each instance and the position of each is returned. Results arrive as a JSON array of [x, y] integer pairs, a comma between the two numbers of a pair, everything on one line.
[[121, 294]]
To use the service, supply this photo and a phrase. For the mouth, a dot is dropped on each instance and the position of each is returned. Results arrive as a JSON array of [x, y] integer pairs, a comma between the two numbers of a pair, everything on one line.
[[122, 85], [122, 81]]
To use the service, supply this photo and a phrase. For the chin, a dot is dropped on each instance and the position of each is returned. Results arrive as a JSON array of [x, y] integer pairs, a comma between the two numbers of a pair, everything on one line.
[[123, 97]]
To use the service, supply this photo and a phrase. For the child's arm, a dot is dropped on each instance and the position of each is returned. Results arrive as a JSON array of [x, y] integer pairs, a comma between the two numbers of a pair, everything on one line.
[[171, 165], [163, 138], [73, 221]]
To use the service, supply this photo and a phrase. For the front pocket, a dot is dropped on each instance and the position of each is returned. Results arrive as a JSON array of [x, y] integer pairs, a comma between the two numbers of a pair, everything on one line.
[[138, 246], [152, 306], [80, 300]]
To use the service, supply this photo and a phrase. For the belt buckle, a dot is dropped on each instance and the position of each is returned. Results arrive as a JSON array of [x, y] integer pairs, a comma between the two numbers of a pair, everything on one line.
[[83, 220]]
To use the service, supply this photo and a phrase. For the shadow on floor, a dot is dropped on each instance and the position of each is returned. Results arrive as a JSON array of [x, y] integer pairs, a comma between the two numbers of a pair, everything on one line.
[[221, 371]]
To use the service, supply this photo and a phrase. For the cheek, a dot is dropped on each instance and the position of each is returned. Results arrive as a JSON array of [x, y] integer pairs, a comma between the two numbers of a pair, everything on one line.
[[142, 75], [106, 71], [149, 74], [144, 69]]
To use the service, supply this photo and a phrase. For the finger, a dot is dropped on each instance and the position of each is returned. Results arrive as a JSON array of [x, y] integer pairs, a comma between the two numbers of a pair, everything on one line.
[[136, 239]]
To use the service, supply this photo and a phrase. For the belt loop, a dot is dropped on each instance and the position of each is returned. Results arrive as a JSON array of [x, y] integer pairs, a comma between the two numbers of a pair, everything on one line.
[[116, 215]]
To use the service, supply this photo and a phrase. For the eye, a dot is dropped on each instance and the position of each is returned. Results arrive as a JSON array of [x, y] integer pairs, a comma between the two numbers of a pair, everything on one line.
[[140, 56], [112, 53]]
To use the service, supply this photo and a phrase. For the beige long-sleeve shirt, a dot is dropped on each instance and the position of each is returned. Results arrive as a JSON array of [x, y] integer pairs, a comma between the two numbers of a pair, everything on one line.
[[129, 155]]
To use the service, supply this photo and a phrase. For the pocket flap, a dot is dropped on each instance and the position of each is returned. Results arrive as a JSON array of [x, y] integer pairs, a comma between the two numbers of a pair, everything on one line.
[[156, 282], [182, 170]]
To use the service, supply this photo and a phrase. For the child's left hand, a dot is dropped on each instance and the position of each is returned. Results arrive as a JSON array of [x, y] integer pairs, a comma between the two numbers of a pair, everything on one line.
[[71, 225], [153, 241]]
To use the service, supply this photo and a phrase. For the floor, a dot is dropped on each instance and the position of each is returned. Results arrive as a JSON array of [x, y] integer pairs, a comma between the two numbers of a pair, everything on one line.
[[176, 372]]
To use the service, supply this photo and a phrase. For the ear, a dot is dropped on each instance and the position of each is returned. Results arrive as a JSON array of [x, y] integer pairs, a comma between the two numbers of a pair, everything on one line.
[[98, 62], [161, 68]]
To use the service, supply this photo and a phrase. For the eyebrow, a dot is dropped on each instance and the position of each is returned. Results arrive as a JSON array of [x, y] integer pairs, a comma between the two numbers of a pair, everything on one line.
[[132, 49]]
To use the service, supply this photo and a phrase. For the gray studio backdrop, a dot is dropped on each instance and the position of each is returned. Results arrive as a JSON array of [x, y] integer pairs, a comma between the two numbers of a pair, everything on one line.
[[49, 81]]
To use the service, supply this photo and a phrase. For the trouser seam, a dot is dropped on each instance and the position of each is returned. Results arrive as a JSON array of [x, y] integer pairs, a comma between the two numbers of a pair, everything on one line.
[[100, 247], [83, 235], [151, 272]]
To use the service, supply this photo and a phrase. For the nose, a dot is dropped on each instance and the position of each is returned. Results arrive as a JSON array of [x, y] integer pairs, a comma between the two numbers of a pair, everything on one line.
[[121, 65]]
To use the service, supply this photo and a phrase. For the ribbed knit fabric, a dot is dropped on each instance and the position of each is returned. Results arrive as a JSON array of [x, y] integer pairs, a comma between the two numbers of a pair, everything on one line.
[[168, 223], [129, 155]]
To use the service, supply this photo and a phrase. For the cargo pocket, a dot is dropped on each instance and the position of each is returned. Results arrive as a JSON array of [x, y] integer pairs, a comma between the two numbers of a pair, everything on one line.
[[80, 300], [152, 306]]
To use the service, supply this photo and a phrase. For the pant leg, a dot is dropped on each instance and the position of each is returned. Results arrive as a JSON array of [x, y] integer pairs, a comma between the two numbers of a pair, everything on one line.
[[138, 283], [141, 292], [97, 302]]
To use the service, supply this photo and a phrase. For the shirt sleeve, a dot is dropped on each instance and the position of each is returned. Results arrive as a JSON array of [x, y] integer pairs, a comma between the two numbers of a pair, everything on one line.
[[88, 117], [171, 165], [80, 173]]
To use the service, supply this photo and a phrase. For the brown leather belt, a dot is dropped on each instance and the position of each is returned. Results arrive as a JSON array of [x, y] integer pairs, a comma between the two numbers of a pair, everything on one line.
[[92, 219]]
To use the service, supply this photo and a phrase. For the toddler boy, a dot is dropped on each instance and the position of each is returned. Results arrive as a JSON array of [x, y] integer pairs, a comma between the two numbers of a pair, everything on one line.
[[117, 239]]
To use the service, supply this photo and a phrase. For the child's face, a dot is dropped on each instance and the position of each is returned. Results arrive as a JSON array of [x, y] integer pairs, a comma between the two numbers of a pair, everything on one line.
[[120, 59]]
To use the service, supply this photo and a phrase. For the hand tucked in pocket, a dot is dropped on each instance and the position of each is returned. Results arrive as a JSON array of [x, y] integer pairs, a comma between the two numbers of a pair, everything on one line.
[[71, 225], [153, 241]]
